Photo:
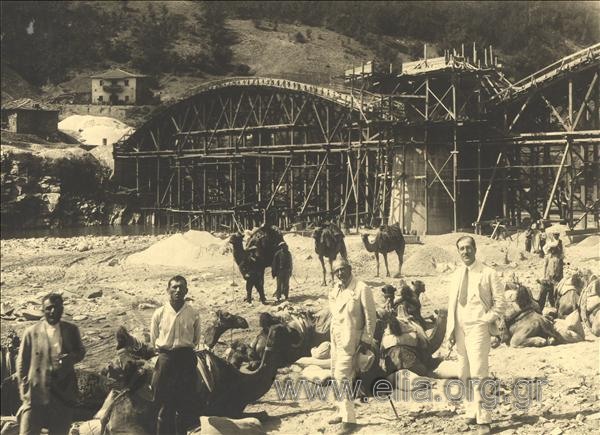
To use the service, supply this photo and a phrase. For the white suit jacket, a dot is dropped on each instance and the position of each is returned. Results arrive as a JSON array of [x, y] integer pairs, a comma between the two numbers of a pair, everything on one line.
[[491, 293], [353, 314]]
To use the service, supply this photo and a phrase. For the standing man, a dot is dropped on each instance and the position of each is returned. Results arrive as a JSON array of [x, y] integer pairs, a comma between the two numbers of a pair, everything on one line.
[[282, 270], [554, 264], [476, 302], [45, 371], [175, 333], [254, 276], [353, 318]]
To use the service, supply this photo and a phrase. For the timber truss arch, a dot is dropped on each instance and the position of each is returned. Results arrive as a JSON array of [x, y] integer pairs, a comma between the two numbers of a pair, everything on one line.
[[244, 149]]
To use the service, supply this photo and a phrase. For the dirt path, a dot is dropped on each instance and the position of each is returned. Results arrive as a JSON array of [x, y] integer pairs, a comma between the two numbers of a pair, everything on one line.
[[82, 265]]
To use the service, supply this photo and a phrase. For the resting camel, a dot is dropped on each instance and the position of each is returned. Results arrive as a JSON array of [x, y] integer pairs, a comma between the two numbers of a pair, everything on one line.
[[329, 241], [410, 303], [388, 239], [222, 390], [565, 295], [524, 326], [589, 306], [301, 331], [405, 345]]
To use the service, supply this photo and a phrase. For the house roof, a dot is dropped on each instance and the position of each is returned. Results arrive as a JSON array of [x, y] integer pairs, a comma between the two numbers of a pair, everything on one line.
[[25, 104], [116, 73]]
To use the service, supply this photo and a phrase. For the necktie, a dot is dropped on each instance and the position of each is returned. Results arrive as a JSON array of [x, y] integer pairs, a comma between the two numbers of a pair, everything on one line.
[[464, 288]]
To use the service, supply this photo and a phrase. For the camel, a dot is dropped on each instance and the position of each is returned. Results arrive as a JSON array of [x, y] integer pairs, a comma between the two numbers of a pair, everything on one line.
[[223, 321], [329, 241], [589, 306], [258, 254], [411, 305], [565, 295], [389, 238], [524, 326], [405, 345], [302, 331], [265, 240], [224, 391]]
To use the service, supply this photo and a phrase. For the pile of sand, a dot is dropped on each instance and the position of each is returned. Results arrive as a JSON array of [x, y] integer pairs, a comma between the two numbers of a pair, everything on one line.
[[589, 242], [190, 250], [92, 130], [587, 249], [425, 259]]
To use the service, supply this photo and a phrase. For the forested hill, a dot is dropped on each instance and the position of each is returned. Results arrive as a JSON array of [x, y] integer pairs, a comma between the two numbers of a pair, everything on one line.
[[48, 42]]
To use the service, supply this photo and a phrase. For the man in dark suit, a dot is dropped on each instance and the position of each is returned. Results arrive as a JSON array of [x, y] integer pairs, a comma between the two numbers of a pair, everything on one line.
[[45, 369], [282, 270]]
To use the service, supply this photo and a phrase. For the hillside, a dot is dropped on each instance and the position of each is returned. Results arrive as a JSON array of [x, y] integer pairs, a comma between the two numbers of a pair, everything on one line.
[[183, 43]]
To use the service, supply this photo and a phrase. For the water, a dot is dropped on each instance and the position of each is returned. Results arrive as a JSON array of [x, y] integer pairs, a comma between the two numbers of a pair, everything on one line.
[[96, 230]]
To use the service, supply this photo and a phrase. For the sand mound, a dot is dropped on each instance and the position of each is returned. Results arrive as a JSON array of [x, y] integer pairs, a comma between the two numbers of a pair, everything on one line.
[[589, 242], [424, 260], [191, 250], [92, 130]]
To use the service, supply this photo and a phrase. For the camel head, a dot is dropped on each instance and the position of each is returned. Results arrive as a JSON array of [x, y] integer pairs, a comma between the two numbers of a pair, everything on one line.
[[266, 320], [578, 280], [236, 239], [225, 320], [523, 298], [418, 287]]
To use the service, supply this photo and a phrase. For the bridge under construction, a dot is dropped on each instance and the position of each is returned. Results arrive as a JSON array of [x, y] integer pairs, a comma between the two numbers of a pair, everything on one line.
[[444, 144]]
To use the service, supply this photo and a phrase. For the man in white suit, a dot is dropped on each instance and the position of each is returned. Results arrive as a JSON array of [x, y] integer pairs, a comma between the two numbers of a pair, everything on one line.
[[353, 317], [475, 304]]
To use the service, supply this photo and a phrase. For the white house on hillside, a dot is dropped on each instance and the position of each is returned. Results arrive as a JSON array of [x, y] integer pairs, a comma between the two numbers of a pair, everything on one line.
[[117, 86]]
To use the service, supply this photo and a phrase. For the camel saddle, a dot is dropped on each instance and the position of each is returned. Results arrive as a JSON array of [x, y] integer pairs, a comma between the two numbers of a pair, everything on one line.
[[301, 324], [410, 337], [207, 369]]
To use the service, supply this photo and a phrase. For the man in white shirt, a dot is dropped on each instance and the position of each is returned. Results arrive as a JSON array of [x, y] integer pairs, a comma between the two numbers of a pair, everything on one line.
[[476, 302], [175, 333]]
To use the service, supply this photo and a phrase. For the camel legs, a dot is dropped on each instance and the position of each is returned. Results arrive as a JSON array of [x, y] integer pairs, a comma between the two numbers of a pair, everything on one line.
[[324, 270], [400, 254], [331, 268], [377, 258], [387, 270], [519, 340]]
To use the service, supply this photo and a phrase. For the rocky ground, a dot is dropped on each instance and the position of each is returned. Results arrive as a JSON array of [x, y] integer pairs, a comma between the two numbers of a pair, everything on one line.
[[105, 286]]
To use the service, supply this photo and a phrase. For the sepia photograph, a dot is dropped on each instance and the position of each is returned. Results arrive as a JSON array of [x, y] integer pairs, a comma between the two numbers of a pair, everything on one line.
[[300, 217]]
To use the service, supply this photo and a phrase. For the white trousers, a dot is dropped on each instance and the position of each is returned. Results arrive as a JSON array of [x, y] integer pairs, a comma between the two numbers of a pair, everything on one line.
[[473, 348], [342, 370]]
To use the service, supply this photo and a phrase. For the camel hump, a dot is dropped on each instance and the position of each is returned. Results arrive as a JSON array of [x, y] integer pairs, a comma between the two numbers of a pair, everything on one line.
[[395, 231]]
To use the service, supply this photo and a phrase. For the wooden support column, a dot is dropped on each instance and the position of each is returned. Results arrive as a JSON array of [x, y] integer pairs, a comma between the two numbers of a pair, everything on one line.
[[454, 158], [157, 181], [426, 193], [357, 190], [328, 186], [425, 156], [557, 178], [318, 197], [403, 180]]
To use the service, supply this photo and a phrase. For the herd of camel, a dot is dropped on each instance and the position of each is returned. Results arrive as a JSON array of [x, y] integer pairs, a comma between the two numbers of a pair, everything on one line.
[[120, 394]]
